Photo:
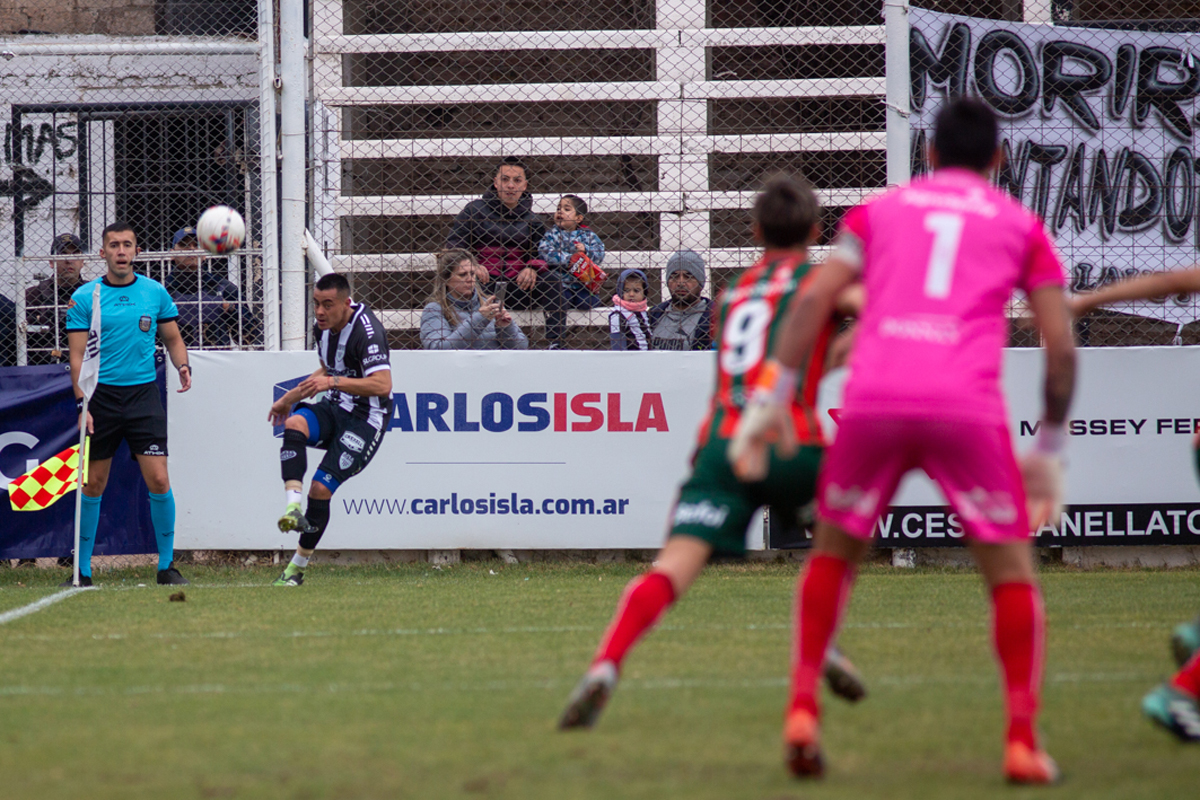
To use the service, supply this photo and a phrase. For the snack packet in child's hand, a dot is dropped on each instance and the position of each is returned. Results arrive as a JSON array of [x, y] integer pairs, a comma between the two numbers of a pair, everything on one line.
[[588, 272]]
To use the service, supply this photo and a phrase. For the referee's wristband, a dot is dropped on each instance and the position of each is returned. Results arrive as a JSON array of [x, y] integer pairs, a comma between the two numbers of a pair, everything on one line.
[[188, 367]]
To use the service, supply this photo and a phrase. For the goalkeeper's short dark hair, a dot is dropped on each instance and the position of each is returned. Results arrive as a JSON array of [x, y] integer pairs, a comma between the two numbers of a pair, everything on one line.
[[965, 134]]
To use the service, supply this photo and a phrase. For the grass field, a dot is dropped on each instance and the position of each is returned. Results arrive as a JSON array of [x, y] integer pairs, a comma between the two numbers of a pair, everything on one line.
[[415, 682]]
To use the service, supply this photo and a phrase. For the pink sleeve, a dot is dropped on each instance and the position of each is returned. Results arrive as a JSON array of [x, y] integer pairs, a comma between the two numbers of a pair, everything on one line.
[[855, 222], [1042, 267]]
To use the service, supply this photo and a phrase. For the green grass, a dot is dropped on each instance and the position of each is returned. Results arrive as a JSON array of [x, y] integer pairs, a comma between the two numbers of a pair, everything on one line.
[[414, 682]]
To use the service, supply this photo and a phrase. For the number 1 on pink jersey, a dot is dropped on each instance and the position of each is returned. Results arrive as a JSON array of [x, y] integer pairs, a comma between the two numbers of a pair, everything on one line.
[[946, 228]]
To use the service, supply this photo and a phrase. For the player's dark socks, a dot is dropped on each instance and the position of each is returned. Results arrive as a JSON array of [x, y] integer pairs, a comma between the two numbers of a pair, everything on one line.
[[162, 517], [1019, 630], [317, 515], [89, 521], [645, 599], [821, 595], [293, 455], [1188, 679]]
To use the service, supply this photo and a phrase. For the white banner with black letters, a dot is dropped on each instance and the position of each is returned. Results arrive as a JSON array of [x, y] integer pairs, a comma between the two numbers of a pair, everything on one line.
[[586, 450], [1098, 128]]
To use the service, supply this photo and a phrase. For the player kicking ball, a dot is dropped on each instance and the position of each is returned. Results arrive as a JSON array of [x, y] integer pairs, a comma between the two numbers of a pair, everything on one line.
[[939, 259], [714, 508], [348, 423], [1175, 705]]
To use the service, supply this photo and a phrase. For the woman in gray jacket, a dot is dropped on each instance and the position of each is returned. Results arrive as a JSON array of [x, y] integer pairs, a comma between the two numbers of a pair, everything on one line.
[[459, 317]]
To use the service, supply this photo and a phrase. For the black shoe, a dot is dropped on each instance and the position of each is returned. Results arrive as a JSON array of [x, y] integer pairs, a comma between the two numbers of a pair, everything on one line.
[[171, 577], [84, 580]]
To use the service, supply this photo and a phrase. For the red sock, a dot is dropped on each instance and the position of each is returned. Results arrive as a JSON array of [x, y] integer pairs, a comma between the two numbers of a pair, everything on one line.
[[1019, 629], [645, 598], [821, 595], [1188, 678]]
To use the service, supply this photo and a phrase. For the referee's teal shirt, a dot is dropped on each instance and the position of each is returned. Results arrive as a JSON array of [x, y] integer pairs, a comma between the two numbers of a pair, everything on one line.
[[129, 319]]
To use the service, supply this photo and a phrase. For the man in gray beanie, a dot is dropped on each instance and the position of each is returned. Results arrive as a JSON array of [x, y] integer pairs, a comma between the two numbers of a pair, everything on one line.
[[685, 321]]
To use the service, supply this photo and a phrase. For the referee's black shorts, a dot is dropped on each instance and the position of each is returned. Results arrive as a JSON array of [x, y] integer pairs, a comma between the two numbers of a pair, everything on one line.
[[132, 413]]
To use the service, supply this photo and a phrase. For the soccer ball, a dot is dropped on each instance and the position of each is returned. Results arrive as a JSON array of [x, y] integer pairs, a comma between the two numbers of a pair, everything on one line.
[[220, 230]]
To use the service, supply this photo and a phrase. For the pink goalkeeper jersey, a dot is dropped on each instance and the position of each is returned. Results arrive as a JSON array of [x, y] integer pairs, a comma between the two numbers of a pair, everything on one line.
[[939, 257]]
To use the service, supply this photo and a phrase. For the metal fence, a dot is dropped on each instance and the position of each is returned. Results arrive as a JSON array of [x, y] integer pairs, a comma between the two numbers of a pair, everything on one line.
[[664, 118], [139, 127]]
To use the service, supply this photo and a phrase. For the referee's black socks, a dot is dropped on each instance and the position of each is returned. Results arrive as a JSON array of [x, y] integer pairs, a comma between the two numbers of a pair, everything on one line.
[[293, 456], [317, 515]]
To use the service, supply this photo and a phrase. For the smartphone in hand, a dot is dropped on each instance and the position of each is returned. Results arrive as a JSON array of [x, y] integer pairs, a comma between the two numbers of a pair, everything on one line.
[[501, 286]]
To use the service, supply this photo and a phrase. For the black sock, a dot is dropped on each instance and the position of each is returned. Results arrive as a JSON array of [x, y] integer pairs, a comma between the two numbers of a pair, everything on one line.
[[317, 515], [293, 456]]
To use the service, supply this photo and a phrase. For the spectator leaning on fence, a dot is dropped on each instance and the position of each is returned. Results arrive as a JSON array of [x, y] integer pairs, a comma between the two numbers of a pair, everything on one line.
[[208, 303], [628, 323], [685, 321], [502, 232], [46, 303], [460, 317], [564, 244]]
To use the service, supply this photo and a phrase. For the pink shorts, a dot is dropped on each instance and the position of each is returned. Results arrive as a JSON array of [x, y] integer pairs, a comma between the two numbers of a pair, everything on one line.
[[972, 463]]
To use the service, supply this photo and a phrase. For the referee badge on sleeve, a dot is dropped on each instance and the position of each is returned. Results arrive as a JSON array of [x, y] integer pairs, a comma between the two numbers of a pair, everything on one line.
[[144, 324]]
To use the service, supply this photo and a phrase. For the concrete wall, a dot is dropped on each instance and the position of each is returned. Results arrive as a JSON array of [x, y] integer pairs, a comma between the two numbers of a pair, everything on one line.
[[109, 17]]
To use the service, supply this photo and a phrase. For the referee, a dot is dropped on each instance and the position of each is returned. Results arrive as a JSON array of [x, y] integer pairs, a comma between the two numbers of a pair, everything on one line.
[[126, 403]]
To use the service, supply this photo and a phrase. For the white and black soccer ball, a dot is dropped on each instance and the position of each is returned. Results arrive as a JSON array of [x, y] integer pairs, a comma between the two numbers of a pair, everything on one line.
[[220, 230]]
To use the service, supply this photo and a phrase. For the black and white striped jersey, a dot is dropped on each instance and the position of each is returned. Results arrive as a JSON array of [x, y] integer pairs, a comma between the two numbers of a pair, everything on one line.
[[356, 351]]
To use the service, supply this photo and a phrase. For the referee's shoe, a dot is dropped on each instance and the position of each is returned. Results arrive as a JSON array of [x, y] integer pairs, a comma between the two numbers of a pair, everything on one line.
[[171, 577]]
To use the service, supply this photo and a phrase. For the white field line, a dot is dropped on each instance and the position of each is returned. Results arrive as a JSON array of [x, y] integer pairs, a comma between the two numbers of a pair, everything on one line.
[[33, 608], [532, 629], [644, 684]]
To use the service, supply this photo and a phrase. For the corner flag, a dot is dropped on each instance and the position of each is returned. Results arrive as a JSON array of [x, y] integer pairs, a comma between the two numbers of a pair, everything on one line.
[[43, 485], [89, 370]]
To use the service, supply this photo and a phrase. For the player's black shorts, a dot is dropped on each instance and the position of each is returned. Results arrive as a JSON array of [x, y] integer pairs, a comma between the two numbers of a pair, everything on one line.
[[132, 413], [349, 442]]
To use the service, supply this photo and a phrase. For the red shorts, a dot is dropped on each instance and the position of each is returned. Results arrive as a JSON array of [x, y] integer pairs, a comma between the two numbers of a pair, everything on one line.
[[972, 463]]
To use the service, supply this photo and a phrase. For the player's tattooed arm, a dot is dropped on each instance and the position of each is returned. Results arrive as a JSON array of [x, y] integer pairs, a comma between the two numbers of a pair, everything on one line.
[[1054, 321], [377, 384]]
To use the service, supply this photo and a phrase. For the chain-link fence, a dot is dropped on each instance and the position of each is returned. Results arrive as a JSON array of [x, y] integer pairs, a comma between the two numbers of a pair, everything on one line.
[[139, 127], [663, 118]]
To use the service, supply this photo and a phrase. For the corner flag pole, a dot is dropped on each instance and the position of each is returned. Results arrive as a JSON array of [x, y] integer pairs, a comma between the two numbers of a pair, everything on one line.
[[89, 376]]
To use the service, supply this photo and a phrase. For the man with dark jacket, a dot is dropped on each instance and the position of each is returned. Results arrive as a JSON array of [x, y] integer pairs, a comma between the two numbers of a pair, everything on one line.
[[685, 321], [46, 302], [502, 231]]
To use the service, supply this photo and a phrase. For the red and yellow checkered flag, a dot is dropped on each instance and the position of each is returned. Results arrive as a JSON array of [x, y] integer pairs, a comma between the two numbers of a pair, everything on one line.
[[43, 485]]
